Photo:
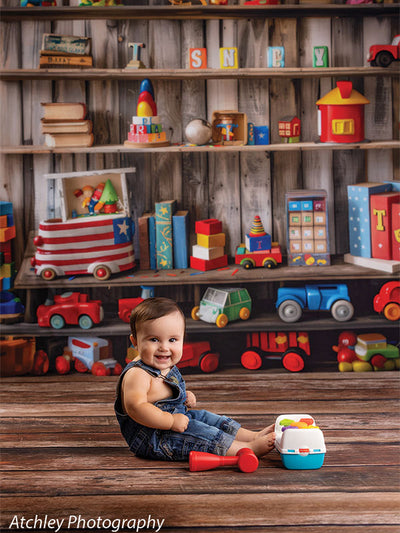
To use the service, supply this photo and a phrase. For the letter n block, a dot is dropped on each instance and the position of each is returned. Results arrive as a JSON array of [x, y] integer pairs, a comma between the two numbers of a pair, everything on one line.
[[228, 57], [198, 58]]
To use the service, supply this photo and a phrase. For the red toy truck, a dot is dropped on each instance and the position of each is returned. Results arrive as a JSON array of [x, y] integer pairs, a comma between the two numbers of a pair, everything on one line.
[[260, 258], [73, 308], [381, 55], [199, 354], [291, 348], [387, 301]]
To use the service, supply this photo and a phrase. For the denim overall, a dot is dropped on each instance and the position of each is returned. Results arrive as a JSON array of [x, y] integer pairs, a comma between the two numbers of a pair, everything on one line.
[[206, 431]]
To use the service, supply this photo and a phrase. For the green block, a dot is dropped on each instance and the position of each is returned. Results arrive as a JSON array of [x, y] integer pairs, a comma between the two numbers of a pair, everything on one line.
[[320, 57]]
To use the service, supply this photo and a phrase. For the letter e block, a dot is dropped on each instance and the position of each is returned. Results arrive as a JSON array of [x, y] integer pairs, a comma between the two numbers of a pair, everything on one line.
[[276, 56], [198, 58]]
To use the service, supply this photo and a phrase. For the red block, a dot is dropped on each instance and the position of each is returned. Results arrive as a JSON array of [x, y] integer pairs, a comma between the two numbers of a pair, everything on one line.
[[381, 223], [396, 232], [204, 264], [5, 248], [209, 226]]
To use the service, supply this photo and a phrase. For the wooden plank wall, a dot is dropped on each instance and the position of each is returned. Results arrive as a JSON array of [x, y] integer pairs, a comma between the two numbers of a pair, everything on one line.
[[232, 187]]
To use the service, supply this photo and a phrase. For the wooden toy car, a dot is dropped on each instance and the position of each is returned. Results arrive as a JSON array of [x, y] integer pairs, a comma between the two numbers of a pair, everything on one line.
[[325, 297], [199, 354], [220, 306], [387, 301], [291, 348], [72, 308], [381, 55], [300, 442], [126, 305], [262, 258]]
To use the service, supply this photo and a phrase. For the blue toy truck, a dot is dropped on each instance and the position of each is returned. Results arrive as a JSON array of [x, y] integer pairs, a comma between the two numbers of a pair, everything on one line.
[[322, 297]]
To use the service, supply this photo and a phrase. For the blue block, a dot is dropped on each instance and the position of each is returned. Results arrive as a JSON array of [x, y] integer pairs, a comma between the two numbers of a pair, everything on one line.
[[263, 242], [261, 135], [276, 56], [359, 216], [294, 205], [307, 205], [6, 208]]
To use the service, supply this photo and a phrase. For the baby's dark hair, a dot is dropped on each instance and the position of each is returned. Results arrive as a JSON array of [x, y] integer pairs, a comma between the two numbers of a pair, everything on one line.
[[150, 309]]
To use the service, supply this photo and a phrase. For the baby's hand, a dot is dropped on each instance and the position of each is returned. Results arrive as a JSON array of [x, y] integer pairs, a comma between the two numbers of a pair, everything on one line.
[[190, 400], [180, 423]]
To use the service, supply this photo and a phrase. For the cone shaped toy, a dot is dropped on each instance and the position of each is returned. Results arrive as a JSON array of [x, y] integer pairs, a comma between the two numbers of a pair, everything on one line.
[[245, 459], [257, 228]]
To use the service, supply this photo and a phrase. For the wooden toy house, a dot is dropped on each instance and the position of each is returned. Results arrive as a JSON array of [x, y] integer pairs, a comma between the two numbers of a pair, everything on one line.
[[289, 129]]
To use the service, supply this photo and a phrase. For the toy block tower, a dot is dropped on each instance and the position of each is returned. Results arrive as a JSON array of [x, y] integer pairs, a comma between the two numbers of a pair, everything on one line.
[[209, 253], [7, 233], [257, 239]]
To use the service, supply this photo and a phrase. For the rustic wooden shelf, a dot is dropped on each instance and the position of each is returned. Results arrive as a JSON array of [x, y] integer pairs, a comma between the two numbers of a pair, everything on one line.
[[270, 322], [10, 14], [93, 74], [184, 148]]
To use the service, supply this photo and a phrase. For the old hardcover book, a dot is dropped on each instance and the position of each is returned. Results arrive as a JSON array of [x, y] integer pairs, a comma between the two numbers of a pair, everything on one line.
[[164, 251], [63, 111], [65, 140], [180, 235], [72, 126], [144, 243]]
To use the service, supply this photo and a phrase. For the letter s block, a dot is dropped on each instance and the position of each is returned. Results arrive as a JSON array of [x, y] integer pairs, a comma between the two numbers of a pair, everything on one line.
[[198, 58]]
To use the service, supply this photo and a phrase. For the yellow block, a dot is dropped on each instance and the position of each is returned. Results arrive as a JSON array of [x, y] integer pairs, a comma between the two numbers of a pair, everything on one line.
[[211, 241], [228, 57]]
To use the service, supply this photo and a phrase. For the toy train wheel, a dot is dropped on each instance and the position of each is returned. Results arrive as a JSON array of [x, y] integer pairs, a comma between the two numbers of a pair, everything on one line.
[[251, 360], [392, 311], [209, 362], [244, 313], [99, 369], [378, 361], [342, 310], [293, 360], [57, 322], [102, 272], [222, 320], [290, 311], [195, 313], [85, 322], [247, 264], [269, 263], [48, 274]]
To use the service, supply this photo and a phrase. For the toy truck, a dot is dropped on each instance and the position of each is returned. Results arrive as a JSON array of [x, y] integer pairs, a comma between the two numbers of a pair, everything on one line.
[[199, 354], [300, 442], [291, 348], [73, 308], [220, 306], [381, 55], [325, 297], [260, 258], [387, 301]]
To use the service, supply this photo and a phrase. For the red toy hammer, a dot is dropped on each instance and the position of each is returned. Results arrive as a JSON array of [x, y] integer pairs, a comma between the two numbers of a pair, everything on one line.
[[245, 459]]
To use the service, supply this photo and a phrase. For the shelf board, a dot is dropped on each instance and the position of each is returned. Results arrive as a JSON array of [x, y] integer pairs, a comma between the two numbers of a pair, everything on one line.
[[185, 148], [270, 322], [93, 74], [10, 14]]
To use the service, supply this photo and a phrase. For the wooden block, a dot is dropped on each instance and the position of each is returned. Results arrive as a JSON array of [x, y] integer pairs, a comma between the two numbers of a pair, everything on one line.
[[3, 221], [319, 218], [294, 219], [210, 226], [396, 232], [307, 233], [146, 120], [307, 246], [377, 264], [6, 208], [319, 232], [7, 270], [276, 56], [320, 56], [204, 265], [295, 233], [320, 246], [320, 205], [307, 205], [210, 241], [262, 242], [307, 218], [180, 236], [295, 246], [228, 57], [197, 58], [381, 223], [7, 233], [261, 135], [201, 252]]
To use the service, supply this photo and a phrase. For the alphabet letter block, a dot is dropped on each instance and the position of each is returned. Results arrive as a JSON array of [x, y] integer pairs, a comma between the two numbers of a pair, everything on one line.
[[228, 57], [276, 56], [198, 58], [321, 56]]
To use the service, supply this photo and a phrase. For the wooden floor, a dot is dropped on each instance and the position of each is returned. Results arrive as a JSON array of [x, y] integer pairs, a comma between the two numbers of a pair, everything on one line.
[[63, 456]]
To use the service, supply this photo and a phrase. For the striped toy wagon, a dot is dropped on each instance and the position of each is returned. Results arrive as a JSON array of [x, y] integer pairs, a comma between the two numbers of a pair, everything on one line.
[[94, 234]]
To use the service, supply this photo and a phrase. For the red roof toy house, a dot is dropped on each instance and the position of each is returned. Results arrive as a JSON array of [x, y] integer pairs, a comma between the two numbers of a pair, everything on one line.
[[289, 129], [341, 114]]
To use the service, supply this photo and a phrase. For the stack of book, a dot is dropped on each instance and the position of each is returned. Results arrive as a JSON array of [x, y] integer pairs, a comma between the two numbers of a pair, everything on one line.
[[64, 125], [65, 51], [164, 237]]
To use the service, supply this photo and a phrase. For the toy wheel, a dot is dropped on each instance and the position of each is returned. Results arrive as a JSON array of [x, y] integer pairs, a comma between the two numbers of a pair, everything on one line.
[[251, 360], [293, 361], [342, 310], [209, 362], [85, 322], [63, 366], [79, 366], [269, 263], [117, 370], [102, 272], [222, 320], [99, 369], [57, 322], [378, 361], [392, 311], [244, 313], [290, 311], [194, 314], [383, 59], [48, 274], [247, 264]]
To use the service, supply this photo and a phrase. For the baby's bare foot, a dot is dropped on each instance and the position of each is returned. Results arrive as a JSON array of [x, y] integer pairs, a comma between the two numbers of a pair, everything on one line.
[[263, 445], [266, 431]]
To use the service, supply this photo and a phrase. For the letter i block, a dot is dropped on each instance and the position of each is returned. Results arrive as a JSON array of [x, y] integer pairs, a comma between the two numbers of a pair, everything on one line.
[[198, 58], [228, 57], [254, 244], [276, 56], [320, 57]]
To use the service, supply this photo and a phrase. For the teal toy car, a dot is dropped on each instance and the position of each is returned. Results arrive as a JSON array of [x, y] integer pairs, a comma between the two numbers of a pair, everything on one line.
[[220, 306]]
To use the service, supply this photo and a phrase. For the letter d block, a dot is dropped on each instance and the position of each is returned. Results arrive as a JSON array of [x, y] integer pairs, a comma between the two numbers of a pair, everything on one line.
[[276, 56], [253, 244], [228, 57], [320, 56], [198, 58]]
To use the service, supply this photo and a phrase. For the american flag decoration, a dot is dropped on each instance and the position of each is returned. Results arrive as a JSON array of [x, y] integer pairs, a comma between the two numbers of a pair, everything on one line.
[[99, 244]]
